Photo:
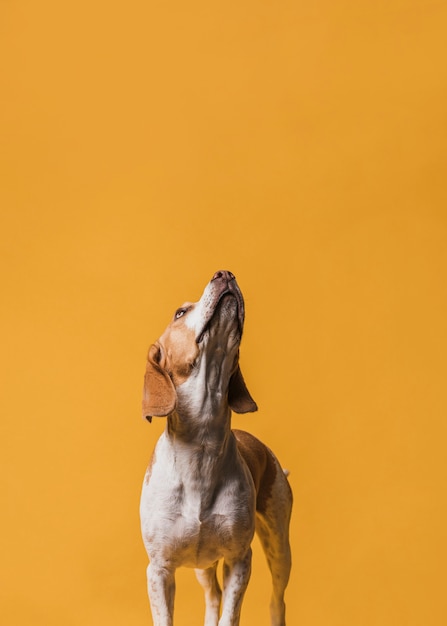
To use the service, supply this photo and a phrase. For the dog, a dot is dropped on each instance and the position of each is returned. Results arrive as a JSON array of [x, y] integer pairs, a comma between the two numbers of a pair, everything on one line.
[[208, 487]]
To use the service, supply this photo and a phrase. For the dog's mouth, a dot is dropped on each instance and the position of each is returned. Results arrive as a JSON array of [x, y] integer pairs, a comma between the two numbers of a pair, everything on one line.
[[229, 304]]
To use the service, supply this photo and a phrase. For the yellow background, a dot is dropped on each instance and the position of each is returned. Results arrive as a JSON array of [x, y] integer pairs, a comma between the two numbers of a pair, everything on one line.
[[302, 145]]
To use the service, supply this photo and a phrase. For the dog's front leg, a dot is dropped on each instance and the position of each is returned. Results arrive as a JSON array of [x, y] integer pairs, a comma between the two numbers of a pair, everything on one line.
[[161, 591], [236, 576]]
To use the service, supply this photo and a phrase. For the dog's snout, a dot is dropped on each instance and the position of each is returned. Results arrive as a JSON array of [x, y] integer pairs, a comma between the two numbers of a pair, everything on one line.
[[223, 275]]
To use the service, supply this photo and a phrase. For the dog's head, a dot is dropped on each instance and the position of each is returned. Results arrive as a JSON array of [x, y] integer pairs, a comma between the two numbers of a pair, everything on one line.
[[199, 353]]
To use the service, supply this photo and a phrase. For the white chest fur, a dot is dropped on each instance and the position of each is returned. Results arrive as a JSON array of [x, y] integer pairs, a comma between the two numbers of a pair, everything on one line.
[[189, 511]]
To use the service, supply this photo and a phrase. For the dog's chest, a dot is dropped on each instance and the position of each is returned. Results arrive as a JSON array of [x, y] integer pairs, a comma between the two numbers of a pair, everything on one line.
[[192, 517]]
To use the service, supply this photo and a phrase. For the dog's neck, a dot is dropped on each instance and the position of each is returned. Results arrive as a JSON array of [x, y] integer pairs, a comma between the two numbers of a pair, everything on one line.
[[202, 417], [200, 438]]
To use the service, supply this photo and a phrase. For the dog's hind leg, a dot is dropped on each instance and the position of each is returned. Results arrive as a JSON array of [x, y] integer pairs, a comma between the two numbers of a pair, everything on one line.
[[213, 594], [272, 528]]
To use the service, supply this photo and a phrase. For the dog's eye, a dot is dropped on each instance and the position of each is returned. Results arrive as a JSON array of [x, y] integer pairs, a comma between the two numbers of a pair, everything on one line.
[[179, 313]]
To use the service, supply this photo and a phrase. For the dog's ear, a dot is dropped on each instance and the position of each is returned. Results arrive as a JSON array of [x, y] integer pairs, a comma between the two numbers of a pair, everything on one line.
[[159, 397], [239, 397]]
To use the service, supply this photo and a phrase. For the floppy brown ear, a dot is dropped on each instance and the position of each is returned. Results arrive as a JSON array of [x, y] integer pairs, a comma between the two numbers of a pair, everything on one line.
[[239, 397], [159, 395]]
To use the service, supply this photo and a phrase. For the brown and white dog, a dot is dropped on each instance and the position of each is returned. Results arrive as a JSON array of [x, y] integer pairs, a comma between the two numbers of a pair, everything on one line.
[[207, 487]]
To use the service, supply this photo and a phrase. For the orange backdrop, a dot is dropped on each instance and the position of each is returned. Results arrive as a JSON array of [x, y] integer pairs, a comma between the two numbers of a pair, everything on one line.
[[144, 145]]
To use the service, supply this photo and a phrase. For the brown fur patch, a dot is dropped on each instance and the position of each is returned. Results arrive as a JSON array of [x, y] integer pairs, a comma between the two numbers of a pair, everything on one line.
[[261, 464], [180, 350]]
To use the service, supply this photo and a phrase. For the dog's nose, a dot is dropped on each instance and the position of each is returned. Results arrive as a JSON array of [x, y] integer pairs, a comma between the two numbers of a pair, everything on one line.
[[223, 275]]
